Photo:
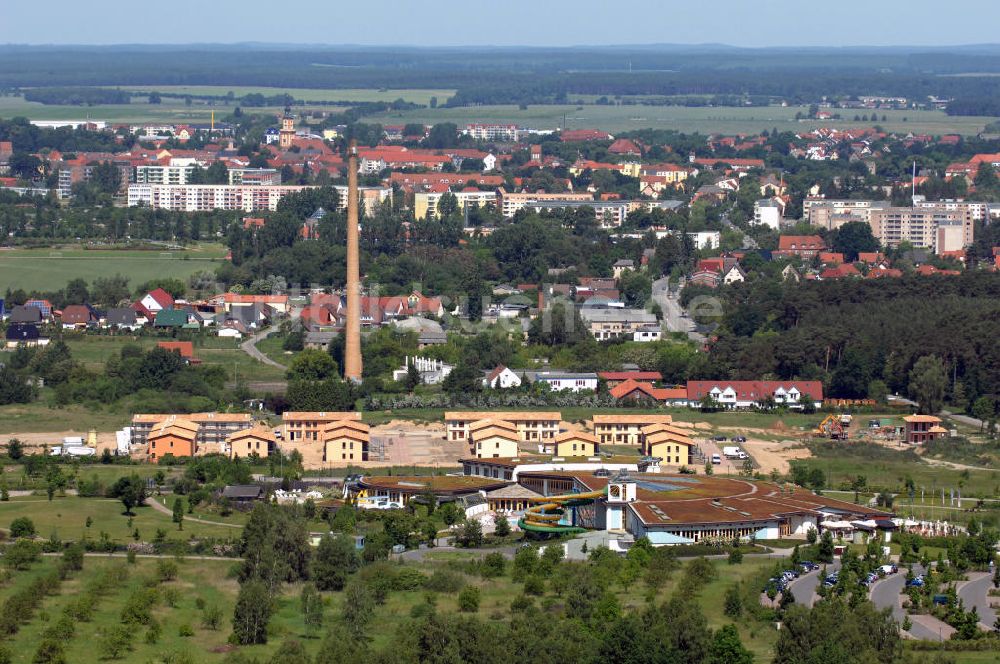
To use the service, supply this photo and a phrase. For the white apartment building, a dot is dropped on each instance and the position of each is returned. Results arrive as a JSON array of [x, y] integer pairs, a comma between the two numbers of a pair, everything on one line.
[[207, 197], [425, 203], [255, 176], [930, 226], [832, 214], [491, 132], [177, 172], [767, 213]]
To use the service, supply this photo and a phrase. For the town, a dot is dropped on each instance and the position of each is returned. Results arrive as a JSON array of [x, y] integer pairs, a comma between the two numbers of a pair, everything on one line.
[[506, 371]]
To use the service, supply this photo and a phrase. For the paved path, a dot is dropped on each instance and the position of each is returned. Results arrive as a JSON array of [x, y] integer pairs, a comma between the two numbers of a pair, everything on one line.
[[886, 594], [975, 593], [672, 311], [965, 419], [250, 347], [155, 504]]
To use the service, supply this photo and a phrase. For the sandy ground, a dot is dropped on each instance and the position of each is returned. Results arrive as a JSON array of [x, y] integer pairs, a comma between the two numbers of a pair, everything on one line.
[[775, 455], [37, 442]]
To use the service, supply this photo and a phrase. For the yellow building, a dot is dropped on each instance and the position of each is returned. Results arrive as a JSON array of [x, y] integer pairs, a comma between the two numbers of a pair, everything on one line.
[[575, 444], [259, 440], [667, 442], [346, 440], [531, 426], [625, 429], [494, 442], [306, 426]]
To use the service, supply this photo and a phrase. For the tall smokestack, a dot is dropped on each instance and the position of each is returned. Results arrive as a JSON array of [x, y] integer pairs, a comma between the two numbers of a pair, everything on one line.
[[352, 344]]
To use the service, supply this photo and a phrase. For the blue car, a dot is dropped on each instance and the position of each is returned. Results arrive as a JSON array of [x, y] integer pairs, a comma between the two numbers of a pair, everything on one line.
[[917, 582]]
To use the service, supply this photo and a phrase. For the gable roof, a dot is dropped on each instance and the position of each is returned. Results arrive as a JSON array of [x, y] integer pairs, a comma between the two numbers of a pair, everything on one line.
[[162, 297], [184, 348], [121, 316], [170, 318], [78, 313], [25, 314]]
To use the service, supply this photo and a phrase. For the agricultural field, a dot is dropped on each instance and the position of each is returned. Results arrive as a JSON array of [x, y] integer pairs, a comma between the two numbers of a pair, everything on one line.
[[725, 120], [52, 268], [414, 96]]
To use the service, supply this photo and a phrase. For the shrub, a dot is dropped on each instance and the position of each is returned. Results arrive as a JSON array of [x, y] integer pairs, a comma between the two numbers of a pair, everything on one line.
[[185, 631], [211, 617], [138, 607], [50, 651], [153, 632], [534, 585], [22, 526], [445, 581], [21, 554], [73, 557], [408, 578], [493, 565], [166, 570], [115, 642], [468, 599]]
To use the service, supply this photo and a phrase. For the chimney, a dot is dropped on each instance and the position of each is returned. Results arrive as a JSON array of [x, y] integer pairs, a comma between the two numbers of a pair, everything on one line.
[[352, 331]]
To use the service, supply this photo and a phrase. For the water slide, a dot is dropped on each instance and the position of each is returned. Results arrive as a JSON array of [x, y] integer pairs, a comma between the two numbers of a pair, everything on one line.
[[545, 516]]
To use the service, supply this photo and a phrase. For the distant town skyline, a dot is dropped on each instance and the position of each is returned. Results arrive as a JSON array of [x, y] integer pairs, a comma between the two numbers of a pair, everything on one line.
[[518, 23]]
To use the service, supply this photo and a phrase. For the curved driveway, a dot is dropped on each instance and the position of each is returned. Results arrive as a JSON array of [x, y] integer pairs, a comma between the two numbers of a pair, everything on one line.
[[975, 593], [885, 594], [804, 588]]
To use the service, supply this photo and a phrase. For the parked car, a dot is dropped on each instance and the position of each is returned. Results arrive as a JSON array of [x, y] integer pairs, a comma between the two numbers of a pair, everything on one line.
[[886, 570], [716, 459], [808, 566], [719, 439], [739, 439], [916, 582]]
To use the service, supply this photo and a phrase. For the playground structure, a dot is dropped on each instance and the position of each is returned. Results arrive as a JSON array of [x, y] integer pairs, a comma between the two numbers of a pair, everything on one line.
[[544, 517]]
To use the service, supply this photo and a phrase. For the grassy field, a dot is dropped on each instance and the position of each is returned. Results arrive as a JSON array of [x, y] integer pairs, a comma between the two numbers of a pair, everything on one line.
[[37, 417], [308, 95], [67, 518], [52, 268], [888, 468], [726, 120]]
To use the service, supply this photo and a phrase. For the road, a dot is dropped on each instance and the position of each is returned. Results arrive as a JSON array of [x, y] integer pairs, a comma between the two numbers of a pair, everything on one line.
[[250, 347], [975, 593], [804, 588], [672, 311], [966, 420], [885, 595]]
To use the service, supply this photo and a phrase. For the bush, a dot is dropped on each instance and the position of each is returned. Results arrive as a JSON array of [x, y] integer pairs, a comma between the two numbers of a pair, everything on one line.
[[21, 554], [138, 609], [115, 642], [408, 578], [22, 526], [468, 599], [166, 570], [493, 565], [534, 585], [73, 557], [185, 631], [445, 581], [211, 617]]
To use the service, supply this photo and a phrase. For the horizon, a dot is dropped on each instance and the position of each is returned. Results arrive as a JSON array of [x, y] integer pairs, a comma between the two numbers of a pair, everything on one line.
[[557, 23]]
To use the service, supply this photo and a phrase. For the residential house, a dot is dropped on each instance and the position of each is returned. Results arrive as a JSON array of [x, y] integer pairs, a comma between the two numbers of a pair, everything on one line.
[[493, 438], [767, 212], [306, 426], [632, 390], [572, 444], [567, 382], [615, 378], [258, 440], [801, 246], [173, 436], [501, 378], [122, 318], [621, 266], [751, 393], [919, 429], [531, 426], [647, 333], [183, 348], [156, 300], [625, 429], [668, 443], [839, 272], [24, 334], [610, 323], [43, 306], [346, 440], [170, 318], [78, 316], [213, 428], [25, 314]]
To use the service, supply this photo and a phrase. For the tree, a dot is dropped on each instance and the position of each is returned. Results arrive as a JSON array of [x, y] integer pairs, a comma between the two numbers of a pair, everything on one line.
[[115, 642], [928, 384], [982, 409], [470, 535], [733, 601], [15, 449], [312, 608], [853, 238], [179, 512], [312, 364], [468, 599], [726, 648], [359, 602], [825, 552], [72, 559], [251, 614], [502, 526], [13, 388], [335, 560], [22, 526], [130, 490]]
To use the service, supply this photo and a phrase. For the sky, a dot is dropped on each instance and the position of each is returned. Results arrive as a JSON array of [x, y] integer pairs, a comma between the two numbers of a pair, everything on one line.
[[754, 23]]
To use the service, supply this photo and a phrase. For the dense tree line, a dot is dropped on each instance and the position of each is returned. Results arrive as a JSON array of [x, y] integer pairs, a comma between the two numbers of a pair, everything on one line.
[[77, 96], [26, 137], [854, 335]]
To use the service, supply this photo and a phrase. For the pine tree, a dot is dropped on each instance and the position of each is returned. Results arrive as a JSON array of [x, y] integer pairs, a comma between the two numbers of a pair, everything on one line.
[[179, 513]]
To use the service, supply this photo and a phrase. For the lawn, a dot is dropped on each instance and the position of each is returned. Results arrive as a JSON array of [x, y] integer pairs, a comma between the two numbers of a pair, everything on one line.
[[704, 120], [52, 268], [37, 417], [888, 468], [67, 518]]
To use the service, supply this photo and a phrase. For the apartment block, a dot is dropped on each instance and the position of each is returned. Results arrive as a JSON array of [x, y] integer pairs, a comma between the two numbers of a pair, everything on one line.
[[425, 204], [306, 426], [213, 428], [531, 426]]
